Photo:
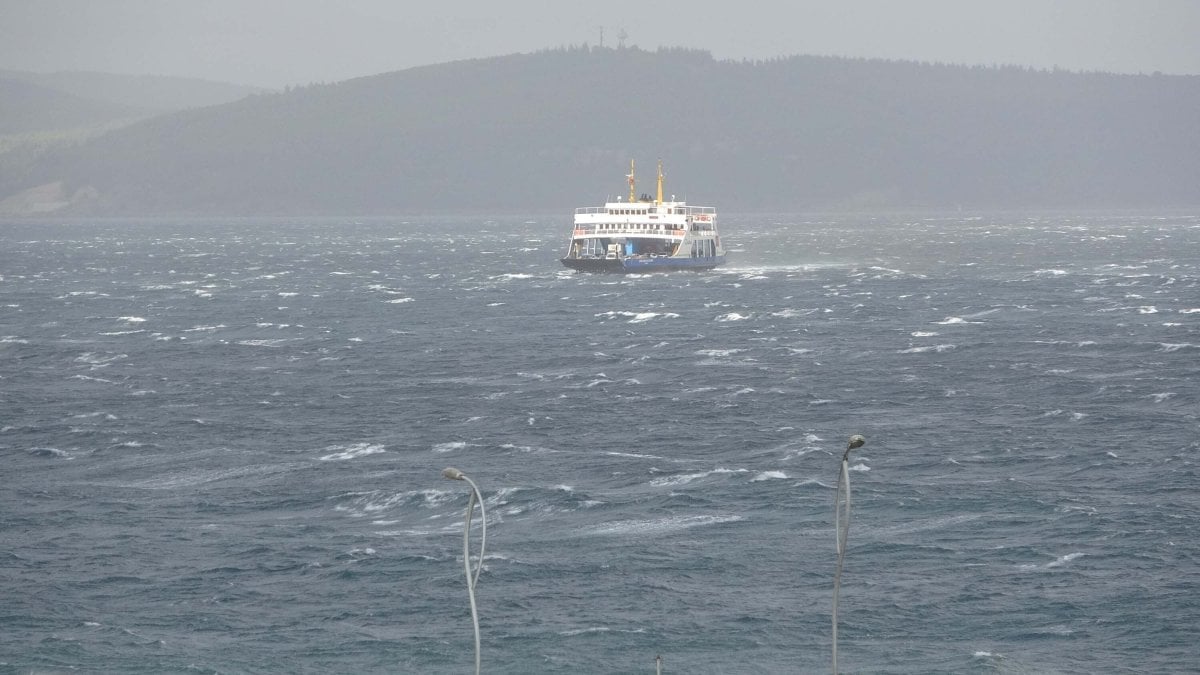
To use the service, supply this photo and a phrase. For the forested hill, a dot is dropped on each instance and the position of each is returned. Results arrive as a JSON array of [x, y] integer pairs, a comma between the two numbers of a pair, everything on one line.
[[555, 129]]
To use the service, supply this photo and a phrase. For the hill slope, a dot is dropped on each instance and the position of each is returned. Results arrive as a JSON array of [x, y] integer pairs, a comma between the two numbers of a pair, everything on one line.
[[556, 129], [154, 93], [27, 107]]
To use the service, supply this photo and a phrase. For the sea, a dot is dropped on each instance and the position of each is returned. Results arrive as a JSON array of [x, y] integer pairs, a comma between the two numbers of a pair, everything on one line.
[[224, 441]]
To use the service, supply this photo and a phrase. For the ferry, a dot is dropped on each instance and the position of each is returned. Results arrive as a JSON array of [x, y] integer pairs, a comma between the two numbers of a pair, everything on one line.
[[644, 234]]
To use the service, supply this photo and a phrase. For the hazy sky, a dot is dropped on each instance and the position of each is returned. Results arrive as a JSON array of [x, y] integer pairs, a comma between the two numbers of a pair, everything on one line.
[[277, 42]]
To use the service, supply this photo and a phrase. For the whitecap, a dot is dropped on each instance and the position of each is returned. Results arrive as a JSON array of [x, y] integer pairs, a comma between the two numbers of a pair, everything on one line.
[[718, 352], [1174, 347], [199, 477], [583, 631], [105, 415], [660, 526], [930, 348], [399, 301], [924, 333], [262, 343], [131, 319], [1057, 562], [632, 454], [732, 316], [683, 479], [525, 448], [636, 317], [768, 475], [1063, 560], [791, 313], [344, 452], [450, 446], [97, 361]]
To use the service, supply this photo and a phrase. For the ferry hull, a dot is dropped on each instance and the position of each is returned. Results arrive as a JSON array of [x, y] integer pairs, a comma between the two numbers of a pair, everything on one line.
[[636, 265]]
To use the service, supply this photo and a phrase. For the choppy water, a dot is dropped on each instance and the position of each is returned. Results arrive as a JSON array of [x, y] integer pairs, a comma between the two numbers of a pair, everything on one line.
[[223, 444]]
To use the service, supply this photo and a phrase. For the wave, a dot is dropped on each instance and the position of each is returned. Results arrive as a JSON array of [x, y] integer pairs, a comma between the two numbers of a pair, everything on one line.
[[1176, 346], [637, 317], [684, 479], [659, 526], [1057, 562], [344, 452], [272, 342], [930, 348]]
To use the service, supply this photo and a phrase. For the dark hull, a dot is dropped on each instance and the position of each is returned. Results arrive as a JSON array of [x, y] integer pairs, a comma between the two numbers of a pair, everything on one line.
[[634, 265]]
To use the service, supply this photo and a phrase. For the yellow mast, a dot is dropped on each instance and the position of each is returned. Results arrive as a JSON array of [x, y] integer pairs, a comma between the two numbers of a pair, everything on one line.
[[660, 177], [630, 177]]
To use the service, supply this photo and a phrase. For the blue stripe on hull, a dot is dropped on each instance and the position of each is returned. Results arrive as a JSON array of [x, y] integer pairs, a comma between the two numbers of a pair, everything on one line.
[[625, 265]]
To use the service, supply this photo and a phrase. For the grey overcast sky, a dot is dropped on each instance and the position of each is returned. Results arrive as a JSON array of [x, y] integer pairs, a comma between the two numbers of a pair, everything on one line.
[[279, 42]]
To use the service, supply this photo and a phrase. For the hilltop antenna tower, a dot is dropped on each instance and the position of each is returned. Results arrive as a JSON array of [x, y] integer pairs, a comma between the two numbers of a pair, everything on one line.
[[601, 37], [621, 39]]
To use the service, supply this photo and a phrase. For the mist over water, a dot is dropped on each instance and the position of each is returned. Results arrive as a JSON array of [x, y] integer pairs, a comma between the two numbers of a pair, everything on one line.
[[224, 443]]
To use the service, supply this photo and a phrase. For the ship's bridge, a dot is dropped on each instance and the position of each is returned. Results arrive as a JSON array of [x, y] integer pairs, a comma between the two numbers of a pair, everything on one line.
[[644, 218]]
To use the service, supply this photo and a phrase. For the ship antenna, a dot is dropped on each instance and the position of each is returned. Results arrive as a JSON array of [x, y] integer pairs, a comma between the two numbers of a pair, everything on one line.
[[660, 179], [842, 530], [630, 177], [454, 474]]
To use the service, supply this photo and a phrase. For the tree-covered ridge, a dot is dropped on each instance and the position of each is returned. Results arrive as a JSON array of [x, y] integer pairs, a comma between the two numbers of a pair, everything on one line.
[[555, 129]]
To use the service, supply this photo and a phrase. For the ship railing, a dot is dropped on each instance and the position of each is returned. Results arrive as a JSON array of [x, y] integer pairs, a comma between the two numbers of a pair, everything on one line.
[[623, 229]]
